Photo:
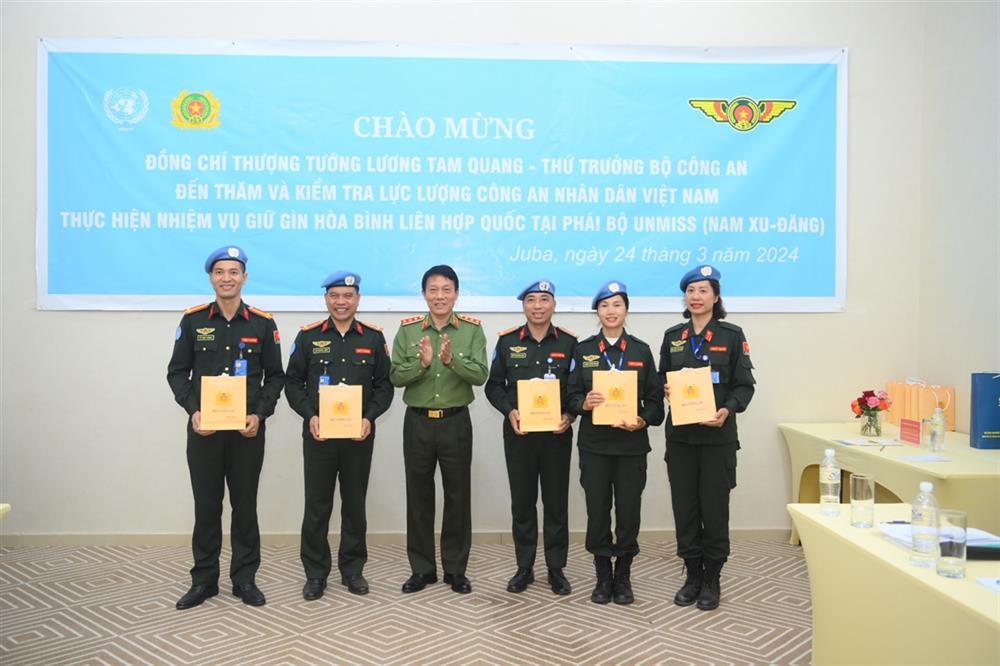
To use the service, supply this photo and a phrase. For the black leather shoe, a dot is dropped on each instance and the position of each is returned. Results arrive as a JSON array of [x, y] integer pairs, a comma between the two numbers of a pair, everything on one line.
[[249, 593], [521, 580], [196, 596], [356, 584], [313, 589], [459, 583], [417, 582], [558, 582]]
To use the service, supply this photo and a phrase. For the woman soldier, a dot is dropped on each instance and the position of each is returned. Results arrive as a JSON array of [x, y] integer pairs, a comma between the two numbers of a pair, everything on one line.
[[701, 457], [613, 458]]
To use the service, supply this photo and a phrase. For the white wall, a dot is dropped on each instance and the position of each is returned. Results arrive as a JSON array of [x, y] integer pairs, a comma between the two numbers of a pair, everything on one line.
[[92, 442]]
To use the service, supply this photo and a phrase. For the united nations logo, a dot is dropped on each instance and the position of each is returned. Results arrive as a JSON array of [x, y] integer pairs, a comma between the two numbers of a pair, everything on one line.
[[742, 113], [197, 110], [614, 287], [544, 286], [233, 252], [126, 106]]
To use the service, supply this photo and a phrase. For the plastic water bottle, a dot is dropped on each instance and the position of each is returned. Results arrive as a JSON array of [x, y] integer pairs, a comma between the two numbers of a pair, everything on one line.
[[938, 426], [924, 527], [829, 485]]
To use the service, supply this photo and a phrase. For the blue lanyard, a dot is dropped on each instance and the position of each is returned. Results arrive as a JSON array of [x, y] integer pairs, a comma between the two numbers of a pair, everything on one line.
[[611, 366], [695, 350]]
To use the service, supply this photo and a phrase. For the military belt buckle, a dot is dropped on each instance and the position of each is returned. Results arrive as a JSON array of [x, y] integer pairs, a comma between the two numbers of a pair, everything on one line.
[[435, 413]]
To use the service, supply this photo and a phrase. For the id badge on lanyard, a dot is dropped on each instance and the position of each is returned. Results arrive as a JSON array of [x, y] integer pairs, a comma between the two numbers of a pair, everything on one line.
[[240, 364]]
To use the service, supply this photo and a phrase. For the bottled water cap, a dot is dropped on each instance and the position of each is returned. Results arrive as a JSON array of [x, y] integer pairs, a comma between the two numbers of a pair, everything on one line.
[[829, 452], [926, 487]]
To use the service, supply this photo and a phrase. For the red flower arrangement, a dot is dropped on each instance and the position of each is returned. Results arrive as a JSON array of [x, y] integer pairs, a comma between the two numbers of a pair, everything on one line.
[[869, 404]]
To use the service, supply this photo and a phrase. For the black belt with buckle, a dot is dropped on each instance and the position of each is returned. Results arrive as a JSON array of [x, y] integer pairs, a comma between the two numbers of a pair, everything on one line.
[[437, 413]]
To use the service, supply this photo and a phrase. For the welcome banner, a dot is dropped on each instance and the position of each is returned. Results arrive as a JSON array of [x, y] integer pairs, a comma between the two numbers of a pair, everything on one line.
[[512, 163]]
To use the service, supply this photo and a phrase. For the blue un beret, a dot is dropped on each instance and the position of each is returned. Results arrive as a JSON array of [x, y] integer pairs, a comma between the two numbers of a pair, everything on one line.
[[540, 287], [342, 279], [699, 273], [226, 252], [613, 288]]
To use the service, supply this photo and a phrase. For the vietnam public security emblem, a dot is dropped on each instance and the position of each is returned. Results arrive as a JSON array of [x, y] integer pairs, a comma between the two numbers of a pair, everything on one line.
[[742, 113], [126, 106], [197, 110]]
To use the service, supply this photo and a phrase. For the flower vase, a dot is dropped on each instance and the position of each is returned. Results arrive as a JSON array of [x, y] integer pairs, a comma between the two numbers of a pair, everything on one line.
[[872, 425]]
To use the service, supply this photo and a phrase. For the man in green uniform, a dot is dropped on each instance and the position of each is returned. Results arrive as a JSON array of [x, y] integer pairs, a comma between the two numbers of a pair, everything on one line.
[[337, 350], [438, 357], [536, 349], [226, 337]]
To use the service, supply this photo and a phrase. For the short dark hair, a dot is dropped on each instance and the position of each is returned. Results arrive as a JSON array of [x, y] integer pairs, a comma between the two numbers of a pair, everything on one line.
[[444, 271], [718, 310]]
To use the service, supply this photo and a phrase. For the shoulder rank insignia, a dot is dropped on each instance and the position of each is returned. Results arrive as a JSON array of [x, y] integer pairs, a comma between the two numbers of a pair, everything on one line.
[[508, 331], [411, 320], [197, 308], [261, 313], [309, 327], [371, 326], [470, 319], [566, 331]]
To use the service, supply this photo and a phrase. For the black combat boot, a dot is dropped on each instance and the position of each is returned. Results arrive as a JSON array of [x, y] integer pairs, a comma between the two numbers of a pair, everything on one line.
[[688, 594], [708, 599], [603, 589], [623, 580]]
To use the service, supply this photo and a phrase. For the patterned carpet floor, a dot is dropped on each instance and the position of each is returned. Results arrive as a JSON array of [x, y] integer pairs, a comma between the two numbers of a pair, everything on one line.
[[115, 605]]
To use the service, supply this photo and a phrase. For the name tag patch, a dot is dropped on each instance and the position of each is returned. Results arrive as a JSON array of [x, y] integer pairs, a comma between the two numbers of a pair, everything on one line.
[[634, 364], [363, 350], [718, 349]]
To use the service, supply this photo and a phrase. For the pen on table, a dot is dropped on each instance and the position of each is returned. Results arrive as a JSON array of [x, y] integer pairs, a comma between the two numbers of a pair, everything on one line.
[[882, 449], [897, 522]]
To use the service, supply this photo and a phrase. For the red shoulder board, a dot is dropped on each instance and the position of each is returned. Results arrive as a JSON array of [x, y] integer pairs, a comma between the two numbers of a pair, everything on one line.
[[567, 331], [471, 320], [309, 327], [371, 326], [411, 320], [509, 330], [197, 308], [261, 313]]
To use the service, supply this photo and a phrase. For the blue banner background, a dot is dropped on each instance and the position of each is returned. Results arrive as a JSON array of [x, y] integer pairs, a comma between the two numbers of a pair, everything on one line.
[[298, 105]]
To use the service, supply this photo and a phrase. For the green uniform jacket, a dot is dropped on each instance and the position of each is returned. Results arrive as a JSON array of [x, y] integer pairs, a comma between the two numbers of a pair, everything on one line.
[[729, 355], [360, 357], [520, 356], [207, 344], [589, 356], [439, 386]]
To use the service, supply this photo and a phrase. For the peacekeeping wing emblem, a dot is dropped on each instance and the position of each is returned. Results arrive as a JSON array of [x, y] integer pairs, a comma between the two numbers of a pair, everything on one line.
[[742, 113]]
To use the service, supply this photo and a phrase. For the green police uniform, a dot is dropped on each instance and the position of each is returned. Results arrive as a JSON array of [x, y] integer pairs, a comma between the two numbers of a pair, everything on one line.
[[358, 357], [701, 460], [207, 344], [437, 430], [613, 460], [537, 457]]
